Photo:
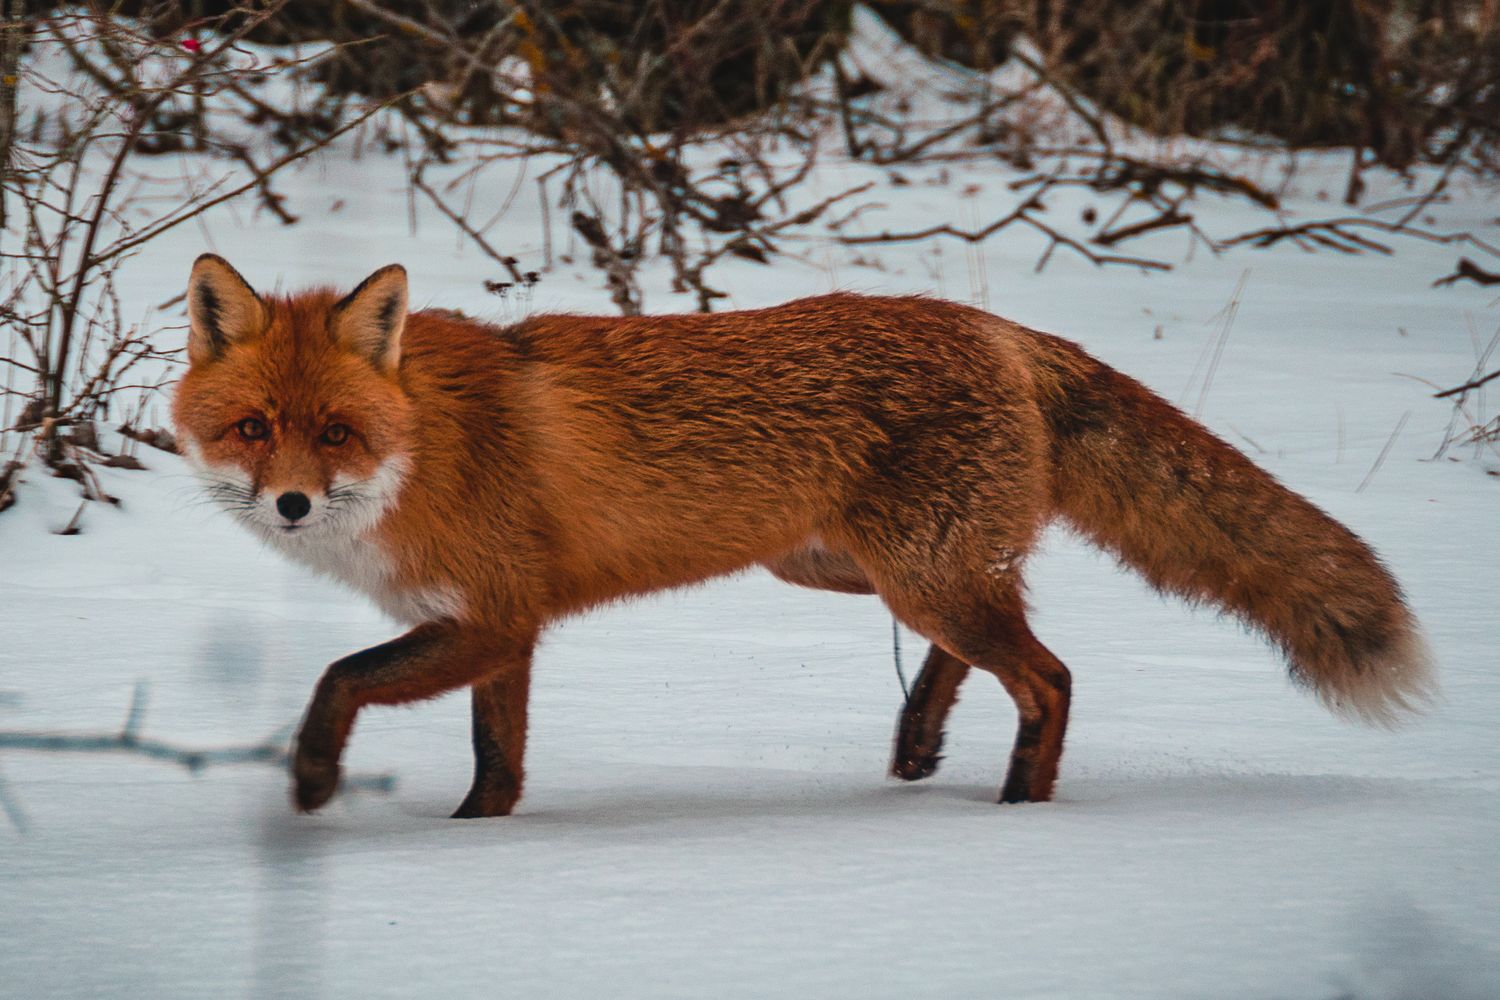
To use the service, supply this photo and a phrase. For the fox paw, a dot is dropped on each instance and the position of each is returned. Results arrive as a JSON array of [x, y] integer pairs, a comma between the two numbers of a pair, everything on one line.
[[480, 807], [491, 795], [916, 763], [314, 780]]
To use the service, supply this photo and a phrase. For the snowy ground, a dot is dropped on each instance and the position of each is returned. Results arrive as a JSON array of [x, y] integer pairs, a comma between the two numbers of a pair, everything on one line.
[[706, 813]]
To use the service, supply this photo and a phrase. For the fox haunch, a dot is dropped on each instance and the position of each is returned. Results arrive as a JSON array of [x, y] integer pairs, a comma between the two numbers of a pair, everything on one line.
[[480, 483]]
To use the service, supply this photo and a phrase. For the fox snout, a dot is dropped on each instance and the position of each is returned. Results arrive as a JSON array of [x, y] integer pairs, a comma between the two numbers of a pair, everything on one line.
[[349, 505], [292, 510], [293, 506], [288, 507]]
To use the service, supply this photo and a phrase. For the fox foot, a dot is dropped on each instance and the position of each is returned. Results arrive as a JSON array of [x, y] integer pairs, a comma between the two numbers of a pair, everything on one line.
[[484, 800], [1024, 784], [913, 760], [314, 780]]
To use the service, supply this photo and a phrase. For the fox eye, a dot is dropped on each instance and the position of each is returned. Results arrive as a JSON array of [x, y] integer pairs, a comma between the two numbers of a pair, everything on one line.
[[252, 429], [336, 434]]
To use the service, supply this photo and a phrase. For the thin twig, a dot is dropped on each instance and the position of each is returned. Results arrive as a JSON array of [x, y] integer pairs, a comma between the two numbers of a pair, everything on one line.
[[1467, 386], [12, 807], [1019, 214], [504, 260], [1230, 312], [896, 654], [1329, 229], [1380, 459], [151, 232]]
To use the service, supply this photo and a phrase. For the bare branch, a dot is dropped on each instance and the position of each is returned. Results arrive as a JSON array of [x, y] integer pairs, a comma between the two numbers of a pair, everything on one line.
[[272, 751], [1468, 386]]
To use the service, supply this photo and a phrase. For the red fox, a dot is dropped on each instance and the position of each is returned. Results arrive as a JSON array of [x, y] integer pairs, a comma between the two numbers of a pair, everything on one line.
[[481, 482]]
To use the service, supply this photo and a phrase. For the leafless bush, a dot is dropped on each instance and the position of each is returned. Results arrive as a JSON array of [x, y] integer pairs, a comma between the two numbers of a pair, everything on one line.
[[1403, 81], [697, 116], [1055, 114], [83, 193], [682, 131], [670, 63], [631, 188]]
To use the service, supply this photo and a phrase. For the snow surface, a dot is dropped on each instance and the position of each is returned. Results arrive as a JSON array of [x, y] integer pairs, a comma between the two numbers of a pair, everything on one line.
[[706, 811]]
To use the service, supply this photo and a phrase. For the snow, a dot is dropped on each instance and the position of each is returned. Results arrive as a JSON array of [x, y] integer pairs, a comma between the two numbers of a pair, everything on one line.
[[706, 810]]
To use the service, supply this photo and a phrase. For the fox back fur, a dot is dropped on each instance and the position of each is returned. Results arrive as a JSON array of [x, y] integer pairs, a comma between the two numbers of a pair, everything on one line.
[[480, 482]]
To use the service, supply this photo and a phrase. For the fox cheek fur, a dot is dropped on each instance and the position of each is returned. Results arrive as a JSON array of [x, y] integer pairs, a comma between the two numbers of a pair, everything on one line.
[[480, 483]]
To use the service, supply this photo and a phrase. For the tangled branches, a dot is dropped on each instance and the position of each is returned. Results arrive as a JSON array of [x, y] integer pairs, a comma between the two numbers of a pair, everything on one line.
[[683, 136], [86, 186]]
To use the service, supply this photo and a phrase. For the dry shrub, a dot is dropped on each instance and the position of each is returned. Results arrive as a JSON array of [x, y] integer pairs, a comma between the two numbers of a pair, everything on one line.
[[668, 64], [1406, 80], [973, 33], [663, 63], [81, 193]]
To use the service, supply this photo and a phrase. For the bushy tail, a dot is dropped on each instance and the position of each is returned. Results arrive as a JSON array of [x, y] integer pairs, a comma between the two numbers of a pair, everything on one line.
[[1198, 519]]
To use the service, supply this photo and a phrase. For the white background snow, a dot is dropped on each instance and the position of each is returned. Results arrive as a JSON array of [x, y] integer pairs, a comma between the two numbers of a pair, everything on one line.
[[707, 812]]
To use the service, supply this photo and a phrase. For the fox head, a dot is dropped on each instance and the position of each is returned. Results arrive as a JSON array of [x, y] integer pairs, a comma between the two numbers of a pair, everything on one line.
[[291, 409]]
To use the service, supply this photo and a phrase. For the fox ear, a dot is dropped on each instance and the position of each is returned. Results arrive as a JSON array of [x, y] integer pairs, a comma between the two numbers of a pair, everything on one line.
[[222, 309], [370, 320]]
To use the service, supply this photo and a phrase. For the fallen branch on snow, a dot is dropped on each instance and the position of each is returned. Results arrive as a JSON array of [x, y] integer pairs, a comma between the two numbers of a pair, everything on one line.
[[272, 751]]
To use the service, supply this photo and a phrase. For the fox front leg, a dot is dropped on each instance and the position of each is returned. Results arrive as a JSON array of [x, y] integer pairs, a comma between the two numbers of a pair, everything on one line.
[[499, 711], [427, 661]]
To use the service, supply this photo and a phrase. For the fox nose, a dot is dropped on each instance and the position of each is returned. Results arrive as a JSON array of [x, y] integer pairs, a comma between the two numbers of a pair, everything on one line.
[[293, 506]]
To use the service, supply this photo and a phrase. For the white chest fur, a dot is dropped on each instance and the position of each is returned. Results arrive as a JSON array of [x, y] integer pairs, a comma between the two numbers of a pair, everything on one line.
[[360, 563]]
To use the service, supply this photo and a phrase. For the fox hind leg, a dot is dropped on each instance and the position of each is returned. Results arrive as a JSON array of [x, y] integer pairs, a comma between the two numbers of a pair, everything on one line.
[[994, 637], [919, 735], [1041, 687], [949, 566]]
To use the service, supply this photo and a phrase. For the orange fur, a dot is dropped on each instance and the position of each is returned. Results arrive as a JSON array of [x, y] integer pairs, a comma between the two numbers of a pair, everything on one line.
[[498, 479]]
